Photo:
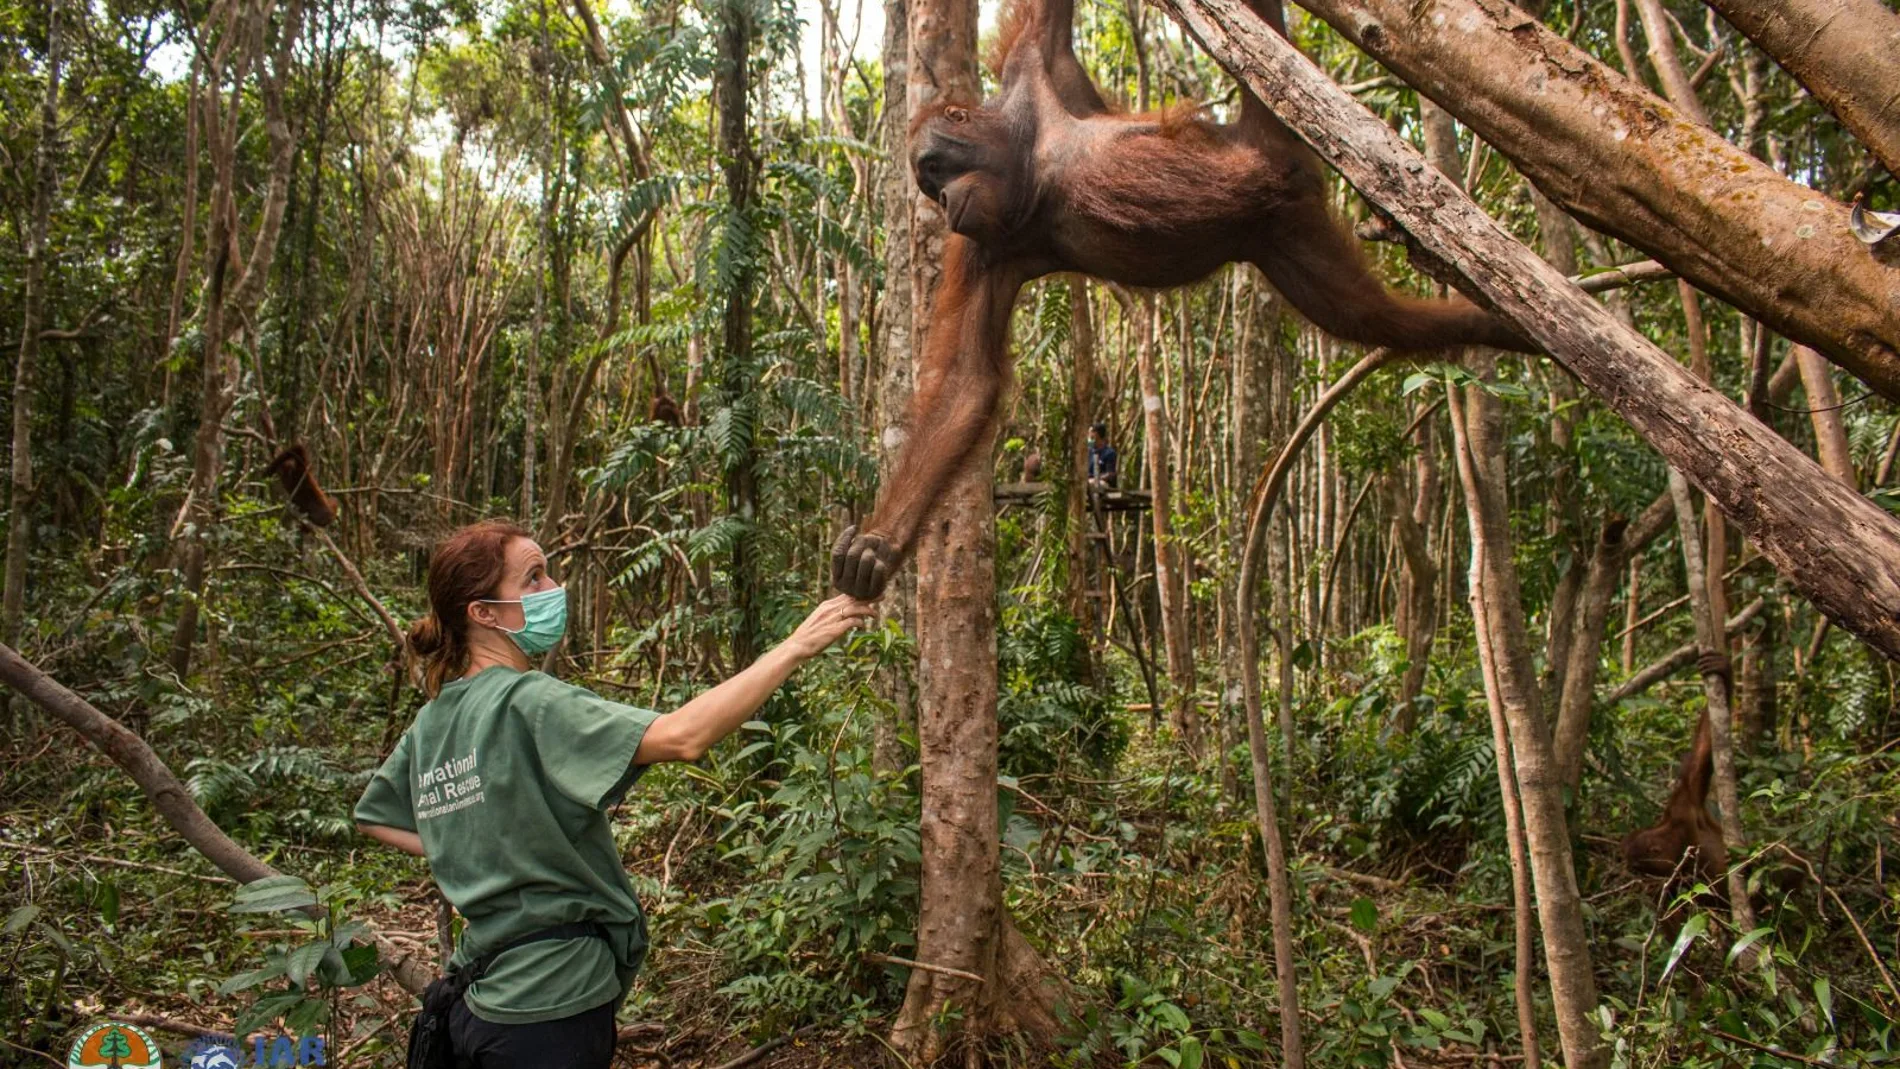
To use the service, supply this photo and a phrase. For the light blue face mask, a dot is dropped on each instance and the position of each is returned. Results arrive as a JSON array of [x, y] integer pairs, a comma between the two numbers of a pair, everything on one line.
[[543, 616]]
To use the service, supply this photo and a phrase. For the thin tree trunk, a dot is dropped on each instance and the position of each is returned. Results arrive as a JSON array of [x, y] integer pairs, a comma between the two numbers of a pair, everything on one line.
[[1618, 543], [1715, 689], [32, 321], [738, 375], [1506, 644], [1524, 925], [894, 389], [219, 308], [1168, 578], [1081, 417]]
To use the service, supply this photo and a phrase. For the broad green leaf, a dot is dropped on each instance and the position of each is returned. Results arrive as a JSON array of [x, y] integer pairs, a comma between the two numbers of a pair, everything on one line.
[[1365, 914], [1697, 924]]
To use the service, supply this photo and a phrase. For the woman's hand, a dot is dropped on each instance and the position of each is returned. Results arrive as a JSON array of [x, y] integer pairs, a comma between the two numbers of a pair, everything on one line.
[[828, 623]]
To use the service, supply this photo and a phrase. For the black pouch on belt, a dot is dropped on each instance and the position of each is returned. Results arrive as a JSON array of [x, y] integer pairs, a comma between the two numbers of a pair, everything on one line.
[[429, 1036]]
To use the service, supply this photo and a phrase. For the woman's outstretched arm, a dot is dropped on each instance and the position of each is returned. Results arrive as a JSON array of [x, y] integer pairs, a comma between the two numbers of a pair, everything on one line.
[[689, 731]]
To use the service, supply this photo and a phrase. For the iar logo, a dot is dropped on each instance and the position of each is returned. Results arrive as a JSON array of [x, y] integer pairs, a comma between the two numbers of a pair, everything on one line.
[[224, 1052], [114, 1046]]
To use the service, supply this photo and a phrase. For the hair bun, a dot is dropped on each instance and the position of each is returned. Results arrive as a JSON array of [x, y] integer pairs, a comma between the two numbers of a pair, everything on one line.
[[425, 636]]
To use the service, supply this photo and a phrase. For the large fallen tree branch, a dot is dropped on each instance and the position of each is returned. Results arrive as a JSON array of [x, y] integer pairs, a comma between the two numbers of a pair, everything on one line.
[[170, 797], [1611, 153], [1839, 549]]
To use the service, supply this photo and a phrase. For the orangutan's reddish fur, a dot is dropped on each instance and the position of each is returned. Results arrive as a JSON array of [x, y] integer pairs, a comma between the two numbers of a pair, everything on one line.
[[292, 468], [1048, 177], [1686, 840]]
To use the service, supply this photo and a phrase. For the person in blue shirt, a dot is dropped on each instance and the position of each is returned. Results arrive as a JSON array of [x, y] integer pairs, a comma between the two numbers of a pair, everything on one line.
[[1102, 459]]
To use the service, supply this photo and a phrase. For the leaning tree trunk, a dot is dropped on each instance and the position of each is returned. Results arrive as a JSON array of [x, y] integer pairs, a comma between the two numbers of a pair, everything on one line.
[[1612, 154], [169, 796], [1842, 51], [1504, 644], [1839, 549], [32, 321]]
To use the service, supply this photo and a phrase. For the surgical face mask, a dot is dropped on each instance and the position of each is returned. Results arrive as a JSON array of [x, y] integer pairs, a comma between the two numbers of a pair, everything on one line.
[[543, 616]]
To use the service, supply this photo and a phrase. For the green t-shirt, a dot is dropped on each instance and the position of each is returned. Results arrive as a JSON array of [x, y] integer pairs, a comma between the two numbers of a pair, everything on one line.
[[506, 777]]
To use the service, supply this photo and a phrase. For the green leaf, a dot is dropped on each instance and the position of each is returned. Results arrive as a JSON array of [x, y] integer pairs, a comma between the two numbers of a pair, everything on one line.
[[1697, 924], [1365, 914], [1191, 1053], [363, 963], [273, 894], [20, 918], [108, 901], [1824, 994], [301, 962], [1744, 943]]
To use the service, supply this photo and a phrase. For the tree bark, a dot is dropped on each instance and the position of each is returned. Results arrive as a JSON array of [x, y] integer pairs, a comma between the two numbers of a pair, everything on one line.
[[1715, 689], [32, 321], [896, 350], [1081, 417], [1505, 644], [1613, 155], [1616, 545], [1491, 643], [1842, 51], [1838, 548], [738, 375], [1169, 581], [961, 923]]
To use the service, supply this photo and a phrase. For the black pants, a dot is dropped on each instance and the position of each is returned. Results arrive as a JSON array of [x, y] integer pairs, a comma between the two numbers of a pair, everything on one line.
[[583, 1041]]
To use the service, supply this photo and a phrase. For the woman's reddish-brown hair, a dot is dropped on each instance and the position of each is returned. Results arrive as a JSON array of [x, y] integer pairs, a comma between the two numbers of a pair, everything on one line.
[[464, 567]]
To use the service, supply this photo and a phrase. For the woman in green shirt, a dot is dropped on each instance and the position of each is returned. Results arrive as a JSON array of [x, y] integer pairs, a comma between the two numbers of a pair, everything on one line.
[[503, 782]]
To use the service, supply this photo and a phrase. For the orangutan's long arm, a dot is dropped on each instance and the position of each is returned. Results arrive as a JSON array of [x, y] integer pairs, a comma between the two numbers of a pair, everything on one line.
[[966, 363], [1072, 85]]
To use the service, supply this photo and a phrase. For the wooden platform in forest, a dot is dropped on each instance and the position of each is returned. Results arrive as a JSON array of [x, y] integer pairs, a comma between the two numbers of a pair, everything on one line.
[[1111, 500]]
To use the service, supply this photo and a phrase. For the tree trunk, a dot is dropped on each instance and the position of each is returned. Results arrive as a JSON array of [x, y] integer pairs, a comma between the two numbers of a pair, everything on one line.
[[1715, 688], [1169, 581], [32, 321], [1524, 924], [1838, 548], [1618, 543], [738, 375], [896, 350], [169, 796], [1081, 417], [1628, 164], [961, 924], [1505, 644], [221, 308], [1842, 51]]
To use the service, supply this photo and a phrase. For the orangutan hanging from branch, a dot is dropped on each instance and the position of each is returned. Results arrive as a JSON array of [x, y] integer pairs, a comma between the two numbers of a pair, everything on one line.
[[1047, 178]]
